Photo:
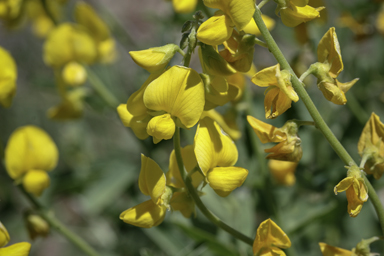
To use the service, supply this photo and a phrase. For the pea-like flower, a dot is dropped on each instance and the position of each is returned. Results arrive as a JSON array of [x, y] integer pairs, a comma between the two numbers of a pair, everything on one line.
[[279, 94], [295, 12], [8, 76], [233, 13], [283, 171], [362, 248], [328, 250], [371, 144], [29, 155], [270, 239], [357, 191], [216, 154], [289, 147], [18, 249]]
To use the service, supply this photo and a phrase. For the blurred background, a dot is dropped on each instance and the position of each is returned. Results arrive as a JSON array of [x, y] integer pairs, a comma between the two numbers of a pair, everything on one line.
[[96, 178]]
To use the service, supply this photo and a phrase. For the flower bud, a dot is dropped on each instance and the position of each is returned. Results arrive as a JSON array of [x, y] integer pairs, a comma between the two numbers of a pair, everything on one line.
[[4, 236], [161, 128], [74, 74], [36, 226]]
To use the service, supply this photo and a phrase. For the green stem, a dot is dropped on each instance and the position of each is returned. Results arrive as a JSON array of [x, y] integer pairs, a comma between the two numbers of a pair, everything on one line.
[[193, 193], [261, 43], [56, 224], [306, 73], [358, 111], [320, 123], [101, 89], [262, 3]]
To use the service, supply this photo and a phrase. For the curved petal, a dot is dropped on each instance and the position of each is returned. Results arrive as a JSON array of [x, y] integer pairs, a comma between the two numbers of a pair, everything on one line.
[[267, 76], [354, 203], [161, 128], [225, 179], [265, 132], [4, 236], [328, 250], [36, 181], [184, 6], [151, 179], [252, 28], [293, 16], [283, 103], [372, 133], [8, 76], [19, 249], [283, 171], [270, 102], [215, 30], [144, 215], [329, 51], [343, 185]]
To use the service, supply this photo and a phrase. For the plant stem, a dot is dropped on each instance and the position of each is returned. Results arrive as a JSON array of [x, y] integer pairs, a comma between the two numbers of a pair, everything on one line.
[[193, 193], [262, 3], [101, 89], [357, 110], [56, 224], [261, 43], [320, 123]]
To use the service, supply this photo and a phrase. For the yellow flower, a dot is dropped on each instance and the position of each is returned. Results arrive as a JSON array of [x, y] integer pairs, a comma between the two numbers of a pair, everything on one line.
[[8, 76], [74, 74], [283, 171], [295, 12], [279, 94], [154, 59], [371, 143], [36, 226], [252, 28], [219, 28], [18, 249], [289, 147], [328, 250], [228, 124], [216, 154], [11, 12], [328, 68], [29, 154], [357, 191], [41, 23], [67, 43], [213, 63], [184, 6], [175, 98], [270, 239]]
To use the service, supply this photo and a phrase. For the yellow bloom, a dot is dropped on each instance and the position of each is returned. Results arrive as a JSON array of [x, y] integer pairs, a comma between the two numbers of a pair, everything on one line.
[[19, 249], [178, 95], [74, 74], [8, 76], [279, 94], [29, 154], [328, 250], [289, 147], [283, 171], [67, 43], [36, 226], [184, 6], [228, 124], [10, 12], [371, 143], [219, 28], [357, 191], [295, 12], [252, 28], [270, 239], [216, 154], [328, 68], [154, 59], [41, 23]]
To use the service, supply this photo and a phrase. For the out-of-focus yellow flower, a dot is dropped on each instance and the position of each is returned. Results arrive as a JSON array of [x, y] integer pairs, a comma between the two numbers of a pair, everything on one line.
[[67, 43], [279, 94], [41, 23], [10, 12], [19, 249], [74, 74], [252, 28], [357, 191], [86, 16], [328, 250], [154, 59], [219, 28], [283, 171], [175, 98], [216, 154], [328, 68], [380, 20], [270, 239], [8, 76], [359, 28], [29, 154], [295, 12], [371, 144], [36, 226], [289, 147], [184, 6], [71, 107]]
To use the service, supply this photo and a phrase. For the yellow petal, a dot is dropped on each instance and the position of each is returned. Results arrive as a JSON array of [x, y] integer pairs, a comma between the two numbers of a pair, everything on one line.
[[107, 51], [293, 15], [180, 92], [343, 185], [28, 148], [329, 51], [154, 59], [213, 63], [267, 76], [182, 202], [224, 123], [332, 92], [354, 203], [270, 235], [372, 133], [266, 132], [74, 74], [225, 179], [252, 28], [161, 128], [328, 250], [283, 103], [4, 235], [283, 171], [138, 124], [36, 181], [144, 215], [215, 30], [184, 6], [286, 151], [8, 76], [346, 86], [237, 84], [151, 179], [240, 11], [19, 249], [42, 25], [86, 16], [272, 93]]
